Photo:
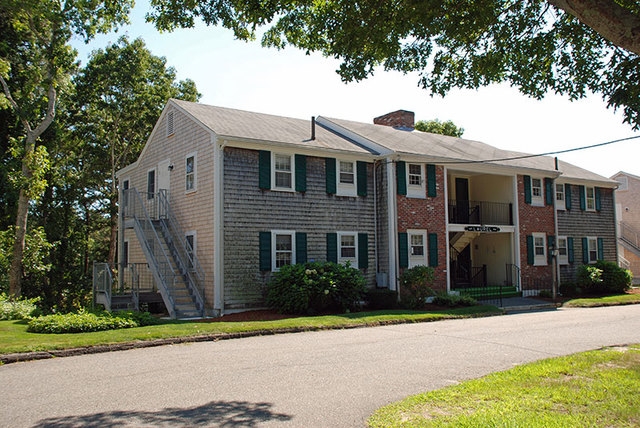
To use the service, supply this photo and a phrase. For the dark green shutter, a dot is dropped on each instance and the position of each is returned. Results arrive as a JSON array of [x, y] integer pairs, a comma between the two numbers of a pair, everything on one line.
[[301, 247], [548, 191], [361, 169], [530, 250], [600, 248], [332, 247], [527, 189], [567, 196], [403, 249], [431, 180], [583, 198], [585, 250], [363, 250], [330, 171], [265, 251], [433, 249], [401, 177], [598, 196], [571, 257], [301, 173], [264, 173], [551, 243]]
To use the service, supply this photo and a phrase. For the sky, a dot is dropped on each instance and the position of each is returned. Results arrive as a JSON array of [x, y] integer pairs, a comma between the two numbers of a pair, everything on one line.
[[236, 74]]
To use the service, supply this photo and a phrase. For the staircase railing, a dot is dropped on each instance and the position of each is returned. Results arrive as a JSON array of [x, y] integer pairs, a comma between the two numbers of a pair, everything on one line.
[[513, 276], [102, 284], [630, 235], [480, 212]]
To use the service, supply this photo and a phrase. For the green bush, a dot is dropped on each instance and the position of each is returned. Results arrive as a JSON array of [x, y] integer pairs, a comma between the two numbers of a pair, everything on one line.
[[603, 278], [415, 286], [83, 322], [382, 298], [316, 287], [17, 309], [453, 300]]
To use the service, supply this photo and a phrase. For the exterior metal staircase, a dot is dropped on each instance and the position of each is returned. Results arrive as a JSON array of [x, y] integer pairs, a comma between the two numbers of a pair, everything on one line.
[[461, 240], [630, 237], [176, 270]]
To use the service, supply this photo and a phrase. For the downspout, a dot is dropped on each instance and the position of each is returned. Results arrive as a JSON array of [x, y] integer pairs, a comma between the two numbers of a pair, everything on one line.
[[375, 217], [554, 258], [218, 227], [447, 257]]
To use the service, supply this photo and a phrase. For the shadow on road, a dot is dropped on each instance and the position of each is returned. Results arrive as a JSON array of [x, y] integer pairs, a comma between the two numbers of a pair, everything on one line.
[[215, 413]]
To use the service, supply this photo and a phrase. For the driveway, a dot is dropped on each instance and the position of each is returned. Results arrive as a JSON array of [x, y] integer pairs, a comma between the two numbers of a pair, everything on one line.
[[317, 379]]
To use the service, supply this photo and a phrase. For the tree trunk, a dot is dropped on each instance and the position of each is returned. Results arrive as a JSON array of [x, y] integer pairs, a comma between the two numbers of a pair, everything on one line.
[[15, 273]]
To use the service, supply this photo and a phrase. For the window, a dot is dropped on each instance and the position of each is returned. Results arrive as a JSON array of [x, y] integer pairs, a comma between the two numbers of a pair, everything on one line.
[[563, 250], [190, 173], [125, 254], [151, 184], [590, 196], [283, 249], [417, 250], [190, 241], [347, 251], [347, 173], [415, 180], [592, 249], [170, 128], [283, 172], [536, 192], [560, 197], [347, 178], [539, 249]]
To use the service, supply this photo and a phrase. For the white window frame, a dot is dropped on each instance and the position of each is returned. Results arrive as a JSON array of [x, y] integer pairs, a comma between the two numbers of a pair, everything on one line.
[[562, 244], [191, 256], [539, 242], [590, 201], [592, 249], [345, 188], [537, 200], [416, 190], [560, 196], [193, 174], [151, 195], [275, 250], [170, 123], [344, 259], [417, 259], [125, 253], [274, 172]]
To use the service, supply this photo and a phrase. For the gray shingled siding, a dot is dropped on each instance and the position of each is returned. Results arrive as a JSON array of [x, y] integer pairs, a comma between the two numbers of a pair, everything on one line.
[[577, 223], [249, 211]]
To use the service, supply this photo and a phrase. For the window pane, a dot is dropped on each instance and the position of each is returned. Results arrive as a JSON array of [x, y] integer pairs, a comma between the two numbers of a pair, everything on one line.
[[283, 179], [536, 187], [539, 246], [283, 163], [346, 173], [417, 245], [283, 171], [415, 175], [284, 251], [591, 199], [190, 164], [348, 246], [560, 192]]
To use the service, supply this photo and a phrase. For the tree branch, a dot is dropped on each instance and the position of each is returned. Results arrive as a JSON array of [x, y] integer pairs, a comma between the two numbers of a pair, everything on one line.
[[14, 104]]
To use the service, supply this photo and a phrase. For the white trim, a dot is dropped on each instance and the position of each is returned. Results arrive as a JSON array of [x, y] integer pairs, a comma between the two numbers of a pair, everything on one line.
[[346, 189], [416, 190], [563, 259], [274, 233], [537, 200], [194, 234], [587, 199], [352, 260], [560, 203], [418, 260], [593, 239], [292, 171], [539, 259], [155, 182], [194, 172]]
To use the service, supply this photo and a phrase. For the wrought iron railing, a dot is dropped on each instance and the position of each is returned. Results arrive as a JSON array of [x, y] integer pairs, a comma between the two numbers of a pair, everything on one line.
[[102, 284], [480, 212]]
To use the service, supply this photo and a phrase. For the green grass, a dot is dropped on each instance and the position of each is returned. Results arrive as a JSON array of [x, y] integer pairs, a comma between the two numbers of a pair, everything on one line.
[[15, 338], [619, 299], [591, 389]]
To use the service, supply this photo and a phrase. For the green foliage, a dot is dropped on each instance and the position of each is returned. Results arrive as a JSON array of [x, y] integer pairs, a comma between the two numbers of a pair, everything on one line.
[[452, 300], [36, 255], [415, 286], [604, 277], [436, 127], [316, 287], [83, 322], [18, 309], [382, 299]]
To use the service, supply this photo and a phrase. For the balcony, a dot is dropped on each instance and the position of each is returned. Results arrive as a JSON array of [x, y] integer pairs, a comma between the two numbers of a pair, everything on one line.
[[480, 212]]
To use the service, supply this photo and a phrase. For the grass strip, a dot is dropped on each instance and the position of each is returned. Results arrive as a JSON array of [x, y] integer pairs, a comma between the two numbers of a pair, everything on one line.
[[616, 300]]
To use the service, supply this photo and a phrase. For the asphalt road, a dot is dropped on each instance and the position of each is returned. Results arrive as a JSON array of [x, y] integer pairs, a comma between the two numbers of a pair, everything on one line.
[[317, 379]]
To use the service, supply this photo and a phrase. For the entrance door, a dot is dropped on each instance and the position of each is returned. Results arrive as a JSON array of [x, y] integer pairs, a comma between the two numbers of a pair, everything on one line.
[[164, 175], [417, 248], [462, 200]]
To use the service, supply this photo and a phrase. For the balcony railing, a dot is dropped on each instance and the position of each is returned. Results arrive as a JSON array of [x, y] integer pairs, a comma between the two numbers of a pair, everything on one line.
[[480, 212]]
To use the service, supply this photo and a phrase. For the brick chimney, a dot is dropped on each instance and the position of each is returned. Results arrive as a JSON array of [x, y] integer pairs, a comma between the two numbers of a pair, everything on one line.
[[400, 119]]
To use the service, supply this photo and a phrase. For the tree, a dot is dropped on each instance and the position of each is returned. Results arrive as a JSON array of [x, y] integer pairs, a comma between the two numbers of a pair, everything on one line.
[[35, 63], [436, 127], [568, 47], [119, 96]]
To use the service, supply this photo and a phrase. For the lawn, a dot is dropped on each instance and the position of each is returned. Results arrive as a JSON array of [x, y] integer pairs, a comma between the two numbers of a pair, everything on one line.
[[592, 389], [14, 337]]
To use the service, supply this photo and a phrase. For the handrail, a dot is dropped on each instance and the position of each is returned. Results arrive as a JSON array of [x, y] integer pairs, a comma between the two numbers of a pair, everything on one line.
[[630, 235], [513, 272], [480, 212], [102, 283]]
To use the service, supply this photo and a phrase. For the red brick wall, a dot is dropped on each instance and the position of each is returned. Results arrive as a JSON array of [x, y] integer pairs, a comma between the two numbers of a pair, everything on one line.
[[428, 214], [533, 219]]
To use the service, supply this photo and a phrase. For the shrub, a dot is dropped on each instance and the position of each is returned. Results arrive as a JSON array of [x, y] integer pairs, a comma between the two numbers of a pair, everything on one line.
[[382, 298], [83, 322], [18, 309], [415, 286], [452, 300], [604, 277], [589, 278], [316, 287]]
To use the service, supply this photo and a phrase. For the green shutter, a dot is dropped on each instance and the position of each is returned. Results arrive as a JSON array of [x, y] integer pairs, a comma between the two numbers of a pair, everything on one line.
[[265, 251], [431, 180], [583, 198], [301, 173], [332, 247], [401, 177], [585, 250], [403, 249], [330, 171], [600, 248], [548, 191], [551, 243], [363, 250], [361, 169], [301, 247], [571, 257], [530, 250], [527, 189], [433, 249], [264, 173], [567, 196], [596, 190]]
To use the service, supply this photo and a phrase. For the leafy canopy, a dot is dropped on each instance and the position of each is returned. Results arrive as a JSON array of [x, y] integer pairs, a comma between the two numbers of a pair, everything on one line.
[[537, 46], [435, 126]]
